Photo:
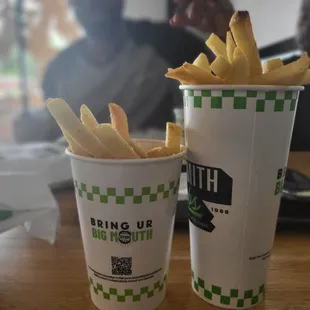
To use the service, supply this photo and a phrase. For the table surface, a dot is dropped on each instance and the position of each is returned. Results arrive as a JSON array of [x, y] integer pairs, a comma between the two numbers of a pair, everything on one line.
[[35, 275]]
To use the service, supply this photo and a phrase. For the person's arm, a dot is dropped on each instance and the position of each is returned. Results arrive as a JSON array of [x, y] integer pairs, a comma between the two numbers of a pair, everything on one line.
[[48, 81], [181, 46], [173, 44], [209, 16]]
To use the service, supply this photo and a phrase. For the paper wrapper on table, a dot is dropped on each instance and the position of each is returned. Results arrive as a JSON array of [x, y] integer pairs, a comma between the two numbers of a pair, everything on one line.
[[25, 199], [238, 141], [45, 159], [126, 211]]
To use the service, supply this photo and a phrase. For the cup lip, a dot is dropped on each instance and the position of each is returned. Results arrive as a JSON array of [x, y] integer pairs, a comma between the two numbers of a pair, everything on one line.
[[242, 87], [138, 161]]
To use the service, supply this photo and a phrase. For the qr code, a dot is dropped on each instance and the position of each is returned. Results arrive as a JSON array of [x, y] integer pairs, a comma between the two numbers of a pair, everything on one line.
[[121, 266]]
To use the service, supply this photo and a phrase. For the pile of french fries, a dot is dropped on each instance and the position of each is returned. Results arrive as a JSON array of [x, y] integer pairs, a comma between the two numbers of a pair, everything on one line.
[[86, 137], [238, 62]]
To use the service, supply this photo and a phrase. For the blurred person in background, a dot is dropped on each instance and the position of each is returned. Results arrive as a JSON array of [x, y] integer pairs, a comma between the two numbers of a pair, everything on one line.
[[301, 132], [124, 62]]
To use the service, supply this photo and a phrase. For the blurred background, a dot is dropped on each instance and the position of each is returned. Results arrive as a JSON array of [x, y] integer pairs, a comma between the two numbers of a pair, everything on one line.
[[37, 33], [50, 26]]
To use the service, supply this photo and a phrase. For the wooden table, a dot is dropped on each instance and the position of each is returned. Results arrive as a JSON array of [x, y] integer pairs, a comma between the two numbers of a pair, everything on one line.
[[35, 275]]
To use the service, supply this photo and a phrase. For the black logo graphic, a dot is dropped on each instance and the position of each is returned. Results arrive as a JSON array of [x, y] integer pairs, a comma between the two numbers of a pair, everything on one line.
[[124, 237], [206, 184], [210, 184], [199, 214]]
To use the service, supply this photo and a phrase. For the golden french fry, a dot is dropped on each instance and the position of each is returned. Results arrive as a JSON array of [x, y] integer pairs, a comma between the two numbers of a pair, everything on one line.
[[222, 68], [70, 123], [113, 141], [241, 28], [88, 119], [291, 74], [230, 46], [74, 147], [306, 80], [182, 76], [119, 122], [202, 62], [48, 100], [137, 148], [241, 68], [272, 64], [201, 75], [238, 62], [173, 137], [161, 151], [258, 80], [217, 46]]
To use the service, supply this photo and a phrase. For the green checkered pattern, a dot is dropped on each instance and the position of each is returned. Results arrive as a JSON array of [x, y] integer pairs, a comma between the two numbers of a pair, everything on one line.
[[127, 294], [125, 195], [232, 297], [219, 99]]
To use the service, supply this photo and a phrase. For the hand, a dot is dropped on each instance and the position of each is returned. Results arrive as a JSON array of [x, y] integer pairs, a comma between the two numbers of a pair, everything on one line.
[[205, 15]]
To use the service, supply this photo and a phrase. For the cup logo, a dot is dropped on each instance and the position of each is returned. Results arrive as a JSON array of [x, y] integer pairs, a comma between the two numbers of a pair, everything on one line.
[[121, 233], [199, 214], [206, 184], [124, 237]]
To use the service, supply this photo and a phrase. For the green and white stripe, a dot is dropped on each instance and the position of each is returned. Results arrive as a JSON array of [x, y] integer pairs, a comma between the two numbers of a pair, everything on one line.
[[241, 100], [110, 293], [121, 196], [228, 297]]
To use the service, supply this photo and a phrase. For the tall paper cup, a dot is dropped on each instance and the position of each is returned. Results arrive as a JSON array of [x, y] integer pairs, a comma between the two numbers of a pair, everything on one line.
[[238, 141], [126, 211]]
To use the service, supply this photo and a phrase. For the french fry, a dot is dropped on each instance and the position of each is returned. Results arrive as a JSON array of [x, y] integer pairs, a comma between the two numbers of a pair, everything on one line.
[[241, 28], [161, 151], [201, 75], [113, 141], [238, 62], [119, 122], [173, 137], [74, 147], [306, 79], [291, 74], [217, 46], [70, 123], [88, 119], [222, 68], [272, 64], [241, 68], [202, 62], [182, 76], [258, 80], [230, 46]]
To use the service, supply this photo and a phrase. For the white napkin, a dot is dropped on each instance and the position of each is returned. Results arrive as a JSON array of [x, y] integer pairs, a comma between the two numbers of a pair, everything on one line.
[[25, 198], [45, 159], [48, 159]]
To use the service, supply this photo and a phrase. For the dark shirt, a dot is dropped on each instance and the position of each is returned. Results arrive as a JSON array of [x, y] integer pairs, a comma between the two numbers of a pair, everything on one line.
[[301, 132], [174, 45]]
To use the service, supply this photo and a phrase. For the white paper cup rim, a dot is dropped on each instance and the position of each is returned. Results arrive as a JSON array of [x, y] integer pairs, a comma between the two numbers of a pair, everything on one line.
[[242, 87], [129, 161]]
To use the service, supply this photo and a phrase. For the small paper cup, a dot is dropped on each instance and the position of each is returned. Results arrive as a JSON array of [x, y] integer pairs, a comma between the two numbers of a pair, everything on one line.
[[238, 140], [126, 211]]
